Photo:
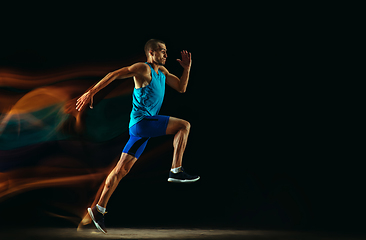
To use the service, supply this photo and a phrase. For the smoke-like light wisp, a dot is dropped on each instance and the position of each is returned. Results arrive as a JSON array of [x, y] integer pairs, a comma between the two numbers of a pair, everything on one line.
[[45, 142]]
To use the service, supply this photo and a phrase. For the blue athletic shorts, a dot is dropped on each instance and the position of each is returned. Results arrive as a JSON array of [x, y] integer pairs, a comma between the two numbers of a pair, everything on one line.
[[141, 132]]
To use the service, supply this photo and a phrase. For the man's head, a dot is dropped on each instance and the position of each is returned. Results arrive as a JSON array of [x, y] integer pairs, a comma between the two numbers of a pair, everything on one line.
[[156, 51]]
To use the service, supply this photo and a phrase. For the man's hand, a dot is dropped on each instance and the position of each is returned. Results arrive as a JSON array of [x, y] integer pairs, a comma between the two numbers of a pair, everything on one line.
[[84, 100], [186, 60]]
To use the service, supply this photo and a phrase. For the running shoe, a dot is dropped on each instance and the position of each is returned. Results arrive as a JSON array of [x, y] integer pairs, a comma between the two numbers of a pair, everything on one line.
[[182, 177], [98, 219]]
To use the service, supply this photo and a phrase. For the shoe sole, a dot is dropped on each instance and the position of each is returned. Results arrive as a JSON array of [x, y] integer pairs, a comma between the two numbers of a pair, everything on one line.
[[174, 180], [94, 221]]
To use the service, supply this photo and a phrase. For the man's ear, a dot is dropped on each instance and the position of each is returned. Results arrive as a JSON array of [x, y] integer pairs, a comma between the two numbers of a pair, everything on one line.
[[151, 52]]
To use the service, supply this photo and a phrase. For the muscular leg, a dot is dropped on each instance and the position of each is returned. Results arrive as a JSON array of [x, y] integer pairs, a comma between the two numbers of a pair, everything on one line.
[[180, 128], [122, 168]]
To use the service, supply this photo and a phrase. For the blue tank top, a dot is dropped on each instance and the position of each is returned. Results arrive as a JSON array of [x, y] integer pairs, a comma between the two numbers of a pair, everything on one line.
[[147, 101]]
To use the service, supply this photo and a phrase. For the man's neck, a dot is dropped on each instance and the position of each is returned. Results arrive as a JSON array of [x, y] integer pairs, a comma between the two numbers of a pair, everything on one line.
[[153, 65]]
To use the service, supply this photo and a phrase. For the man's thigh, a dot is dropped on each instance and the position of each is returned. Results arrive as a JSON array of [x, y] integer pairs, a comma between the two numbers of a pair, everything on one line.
[[134, 147], [151, 126]]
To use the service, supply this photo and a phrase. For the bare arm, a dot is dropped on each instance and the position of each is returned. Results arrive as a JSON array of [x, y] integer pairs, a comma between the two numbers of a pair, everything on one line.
[[180, 84], [122, 73]]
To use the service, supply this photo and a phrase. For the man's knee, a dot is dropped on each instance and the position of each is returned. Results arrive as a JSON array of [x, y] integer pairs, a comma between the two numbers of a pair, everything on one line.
[[185, 125], [124, 168], [175, 125], [123, 171]]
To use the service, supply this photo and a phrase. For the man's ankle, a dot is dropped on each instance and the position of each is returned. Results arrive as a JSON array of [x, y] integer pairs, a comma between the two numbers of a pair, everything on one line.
[[176, 170], [101, 209]]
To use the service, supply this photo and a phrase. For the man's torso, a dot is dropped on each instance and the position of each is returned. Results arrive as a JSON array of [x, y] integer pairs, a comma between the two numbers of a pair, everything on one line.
[[148, 95], [144, 78]]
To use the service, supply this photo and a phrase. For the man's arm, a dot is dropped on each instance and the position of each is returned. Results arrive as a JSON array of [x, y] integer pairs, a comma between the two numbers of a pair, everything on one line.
[[122, 73], [173, 81]]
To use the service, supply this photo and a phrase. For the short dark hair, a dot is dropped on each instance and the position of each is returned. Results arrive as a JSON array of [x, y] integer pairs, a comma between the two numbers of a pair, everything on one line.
[[152, 44]]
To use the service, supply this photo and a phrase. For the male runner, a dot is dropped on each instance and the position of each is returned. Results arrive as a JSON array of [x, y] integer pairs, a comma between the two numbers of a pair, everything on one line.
[[149, 78]]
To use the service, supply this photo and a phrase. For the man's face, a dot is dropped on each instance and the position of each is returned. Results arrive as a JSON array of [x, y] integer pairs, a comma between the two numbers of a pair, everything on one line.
[[159, 56]]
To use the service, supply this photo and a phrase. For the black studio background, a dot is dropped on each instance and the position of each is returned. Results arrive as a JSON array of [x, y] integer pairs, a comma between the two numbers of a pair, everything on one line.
[[261, 116]]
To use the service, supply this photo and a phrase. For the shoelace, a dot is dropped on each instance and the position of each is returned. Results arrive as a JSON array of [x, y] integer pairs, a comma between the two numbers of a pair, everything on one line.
[[101, 212]]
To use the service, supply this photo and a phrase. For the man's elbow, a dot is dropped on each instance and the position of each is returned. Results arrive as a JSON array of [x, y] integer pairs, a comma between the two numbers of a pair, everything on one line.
[[113, 74], [183, 90]]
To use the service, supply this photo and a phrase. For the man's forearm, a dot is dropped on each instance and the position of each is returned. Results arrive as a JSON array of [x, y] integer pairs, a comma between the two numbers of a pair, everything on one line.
[[103, 83], [184, 79]]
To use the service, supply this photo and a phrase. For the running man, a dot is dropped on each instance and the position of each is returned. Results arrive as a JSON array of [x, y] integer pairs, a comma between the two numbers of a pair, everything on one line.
[[150, 79]]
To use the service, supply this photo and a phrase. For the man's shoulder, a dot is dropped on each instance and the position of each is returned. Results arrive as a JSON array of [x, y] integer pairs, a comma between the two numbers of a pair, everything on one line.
[[163, 69], [139, 67]]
